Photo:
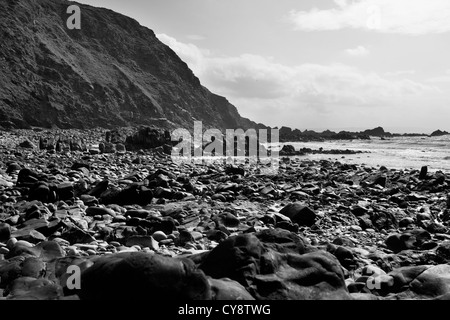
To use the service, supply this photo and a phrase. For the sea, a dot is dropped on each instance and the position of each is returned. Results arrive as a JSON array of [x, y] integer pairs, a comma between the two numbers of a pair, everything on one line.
[[409, 153]]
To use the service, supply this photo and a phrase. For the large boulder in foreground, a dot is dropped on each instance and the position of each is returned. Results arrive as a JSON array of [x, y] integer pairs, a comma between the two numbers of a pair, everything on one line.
[[311, 276], [237, 258], [143, 276], [271, 274]]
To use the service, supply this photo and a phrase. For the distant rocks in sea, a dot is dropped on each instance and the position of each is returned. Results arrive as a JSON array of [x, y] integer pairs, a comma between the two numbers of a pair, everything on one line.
[[439, 133], [289, 150], [289, 135]]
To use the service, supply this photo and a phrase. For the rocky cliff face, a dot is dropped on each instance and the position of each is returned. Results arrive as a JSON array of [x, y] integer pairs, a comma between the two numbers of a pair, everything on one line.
[[111, 72]]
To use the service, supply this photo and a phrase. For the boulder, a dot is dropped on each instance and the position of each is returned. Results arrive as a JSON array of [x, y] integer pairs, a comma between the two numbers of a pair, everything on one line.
[[143, 276], [299, 213]]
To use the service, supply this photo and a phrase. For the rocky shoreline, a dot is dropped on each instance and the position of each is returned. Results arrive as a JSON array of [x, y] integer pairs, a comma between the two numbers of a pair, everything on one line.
[[138, 226]]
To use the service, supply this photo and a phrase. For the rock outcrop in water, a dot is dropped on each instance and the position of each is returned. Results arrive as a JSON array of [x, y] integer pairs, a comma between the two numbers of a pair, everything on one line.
[[112, 72], [439, 133]]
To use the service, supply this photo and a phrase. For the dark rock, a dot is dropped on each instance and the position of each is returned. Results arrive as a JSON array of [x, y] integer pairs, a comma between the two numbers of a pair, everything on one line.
[[99, 188], [13, 167], [439, 133], [287, 150], [311, 276], [93, 211], [5, 232], [27, 144], [235, 170], [134, 194], [48, 251], [141, 276], [283, 241], [237, 258], [423, 173], [33, 267], [229, 220], [383, 220], [299, 213], [345, 257], [74, 234], [433, 282], [28, 288], [227, 289], [65, 191], [147, 138]]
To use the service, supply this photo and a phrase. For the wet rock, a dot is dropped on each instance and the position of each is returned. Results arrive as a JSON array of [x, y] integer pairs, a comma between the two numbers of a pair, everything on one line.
[[33, 267], [237, 258], [143, 241], [28, 288], [423, 173], [5, 232], [311, 276], [99, 188], [138, 276], [229, 220], [433, 282], [65, 191], [133, 194], [10, 270], [93, 211], [283, 241], [300, 214], [403, 276], [227, 289], [27, 144]]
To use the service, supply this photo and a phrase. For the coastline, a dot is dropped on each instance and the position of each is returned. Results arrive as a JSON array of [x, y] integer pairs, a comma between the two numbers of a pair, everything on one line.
[[352, 218]]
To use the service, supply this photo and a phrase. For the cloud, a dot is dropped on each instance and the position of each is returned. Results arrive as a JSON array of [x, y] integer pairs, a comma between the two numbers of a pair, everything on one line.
[[195, 37], [400, 73], [190, 53], [273, 93], [412, 17], [358, 51]]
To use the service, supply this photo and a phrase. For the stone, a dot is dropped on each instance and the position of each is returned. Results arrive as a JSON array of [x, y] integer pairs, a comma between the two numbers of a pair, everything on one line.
[[138, 276], [10, 270], [142, 241], [403, 276], [229, 220], [311, 276], [5, 232], [227, 289], [237, 258], [299, 213], [99, 188], [404, 241], [33, 267], [159, 236], [13, 167], [283, 241], [65, 191], [27, 144], [93, 211], [433, 282], [28, 288], [48, 251], [345, 257], [423, 173]]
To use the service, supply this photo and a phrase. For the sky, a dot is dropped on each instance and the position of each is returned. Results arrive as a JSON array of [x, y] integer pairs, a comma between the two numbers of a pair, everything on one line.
[[313, 64]]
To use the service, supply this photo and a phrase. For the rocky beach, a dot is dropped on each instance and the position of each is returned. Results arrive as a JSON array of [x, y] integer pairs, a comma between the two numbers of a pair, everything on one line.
[[138, 226]]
